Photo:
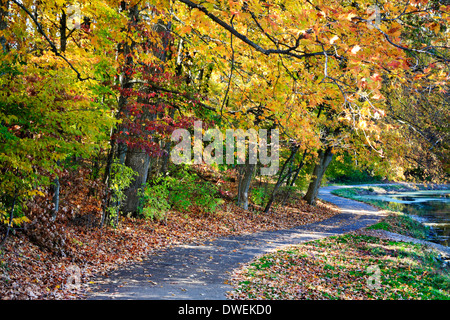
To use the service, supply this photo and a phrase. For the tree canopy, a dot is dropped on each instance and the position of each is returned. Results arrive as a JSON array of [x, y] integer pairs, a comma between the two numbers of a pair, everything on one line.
[[111, 80]]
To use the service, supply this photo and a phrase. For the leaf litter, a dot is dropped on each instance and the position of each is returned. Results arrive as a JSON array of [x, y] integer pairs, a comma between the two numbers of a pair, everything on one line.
[[30, 270], [342, 267]]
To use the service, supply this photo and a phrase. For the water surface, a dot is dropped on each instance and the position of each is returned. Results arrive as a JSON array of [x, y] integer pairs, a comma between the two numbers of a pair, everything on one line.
[[430, 207]]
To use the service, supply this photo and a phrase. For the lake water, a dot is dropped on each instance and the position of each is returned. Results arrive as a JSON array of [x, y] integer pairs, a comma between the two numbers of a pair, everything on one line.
[[430, 207]]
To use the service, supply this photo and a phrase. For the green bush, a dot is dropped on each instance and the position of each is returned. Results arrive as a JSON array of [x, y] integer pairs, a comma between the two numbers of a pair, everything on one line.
[[260, 195], [182, 191], [189, 191], [290, 193], [155, 200], [121, 178], [347, 171]]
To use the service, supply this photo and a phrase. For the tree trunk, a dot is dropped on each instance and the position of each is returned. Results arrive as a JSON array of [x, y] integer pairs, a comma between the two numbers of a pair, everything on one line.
[[139, 161], [56, 184], [244, 184], [126, 50], [4, 4], [299, 168], [166, 152], [281, 178], [62, 31], [296, 173], [325, 157], [55, 188]]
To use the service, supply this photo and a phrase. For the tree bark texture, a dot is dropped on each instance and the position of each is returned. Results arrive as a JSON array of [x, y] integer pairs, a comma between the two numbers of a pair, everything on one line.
[[325, 157], [139, 161], [281, 178], [244, 184]]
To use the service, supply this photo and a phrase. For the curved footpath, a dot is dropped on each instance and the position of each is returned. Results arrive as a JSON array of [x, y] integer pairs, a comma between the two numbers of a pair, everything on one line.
[[199, 272]]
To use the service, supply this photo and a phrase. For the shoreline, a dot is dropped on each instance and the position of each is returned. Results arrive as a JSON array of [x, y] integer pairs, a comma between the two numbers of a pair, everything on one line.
[[393, 187], [338, 267], [358, 193]]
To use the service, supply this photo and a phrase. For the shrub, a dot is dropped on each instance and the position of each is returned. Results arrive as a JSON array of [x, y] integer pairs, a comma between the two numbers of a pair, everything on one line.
[[154, 200], [189, 191], [183, 191], [121, 178], [259, 195], [345, 170]]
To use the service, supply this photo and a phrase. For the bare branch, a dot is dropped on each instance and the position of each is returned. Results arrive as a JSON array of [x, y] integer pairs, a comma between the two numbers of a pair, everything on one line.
[[156, 87], [52, 45], [231, 71], [240, 36]]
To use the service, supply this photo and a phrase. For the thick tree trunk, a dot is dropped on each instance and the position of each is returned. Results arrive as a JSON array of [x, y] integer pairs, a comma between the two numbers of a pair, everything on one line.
[[325, 157], [125, 49], [139, 161], [62, 31], [244, 184]]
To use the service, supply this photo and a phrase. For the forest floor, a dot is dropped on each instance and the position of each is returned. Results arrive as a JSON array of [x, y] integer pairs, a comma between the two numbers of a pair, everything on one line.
[[202, 271], [30, 271], [132, 261]]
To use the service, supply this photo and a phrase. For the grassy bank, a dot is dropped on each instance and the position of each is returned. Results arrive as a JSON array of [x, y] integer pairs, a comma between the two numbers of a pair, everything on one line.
[[351, 266], [395, 221]]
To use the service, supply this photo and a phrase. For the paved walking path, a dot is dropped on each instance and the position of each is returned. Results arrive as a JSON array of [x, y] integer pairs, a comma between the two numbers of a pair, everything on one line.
[[200, 271]]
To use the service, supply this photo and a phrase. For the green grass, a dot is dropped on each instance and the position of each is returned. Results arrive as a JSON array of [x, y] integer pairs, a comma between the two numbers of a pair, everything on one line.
[[402, 224], [338, 268], [395, 221]]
